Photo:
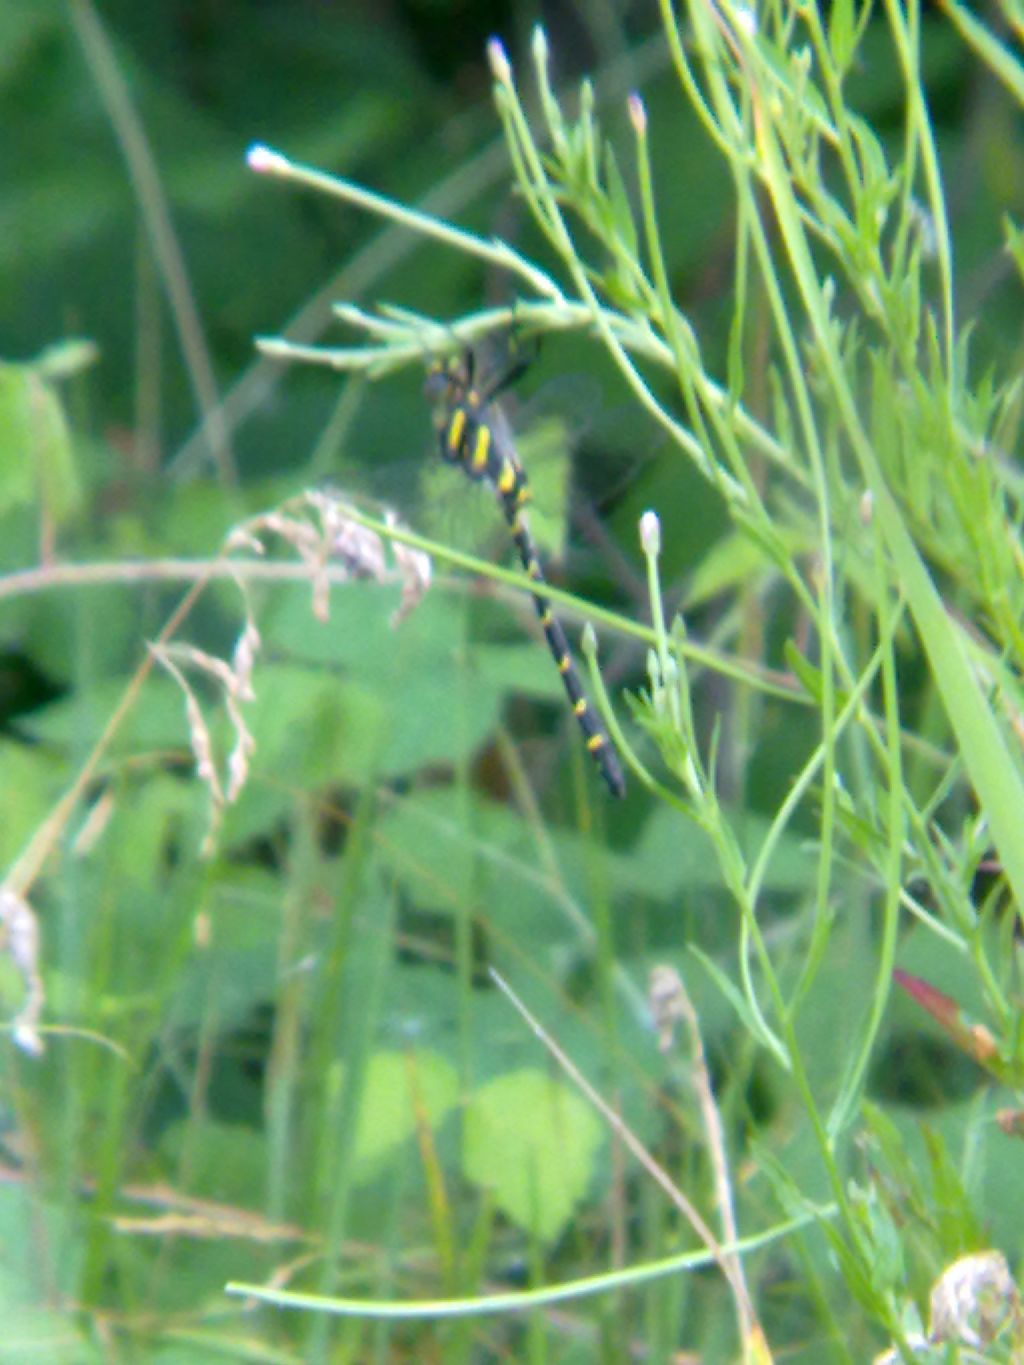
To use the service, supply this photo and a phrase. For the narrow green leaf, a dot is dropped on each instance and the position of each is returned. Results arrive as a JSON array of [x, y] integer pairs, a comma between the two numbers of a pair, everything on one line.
[[618, 202], [841, 33]]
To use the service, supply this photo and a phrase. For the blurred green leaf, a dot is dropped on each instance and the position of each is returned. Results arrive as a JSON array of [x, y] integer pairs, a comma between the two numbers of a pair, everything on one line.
[[36, 457], [401, 1091], [64, 359], [532, 1143], [32, 782]]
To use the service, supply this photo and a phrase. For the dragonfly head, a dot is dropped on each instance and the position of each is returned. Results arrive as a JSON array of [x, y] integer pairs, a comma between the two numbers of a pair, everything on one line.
[[449, 379]]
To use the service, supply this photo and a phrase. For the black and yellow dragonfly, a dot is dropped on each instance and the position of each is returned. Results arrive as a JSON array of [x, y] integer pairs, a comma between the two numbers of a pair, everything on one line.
[[473, 434]]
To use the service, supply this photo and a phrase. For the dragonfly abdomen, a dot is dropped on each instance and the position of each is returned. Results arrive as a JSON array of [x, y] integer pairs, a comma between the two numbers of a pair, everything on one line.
[[472, 434]]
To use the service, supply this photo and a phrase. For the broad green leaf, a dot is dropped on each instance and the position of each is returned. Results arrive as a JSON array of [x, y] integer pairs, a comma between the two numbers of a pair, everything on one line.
[[401, 1090], [226, 1160], [27, 1283], [673, 854], [17, 436], [36, 457], [733, 560], [31, 780], [23, 25], [156, 721], [533, 1144]]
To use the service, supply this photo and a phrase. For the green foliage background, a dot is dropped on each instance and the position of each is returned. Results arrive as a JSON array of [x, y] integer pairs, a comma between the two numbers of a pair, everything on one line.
[[285, 1063]]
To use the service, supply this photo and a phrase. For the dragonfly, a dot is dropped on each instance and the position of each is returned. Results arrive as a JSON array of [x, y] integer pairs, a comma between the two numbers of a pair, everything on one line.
[[474, 435]]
